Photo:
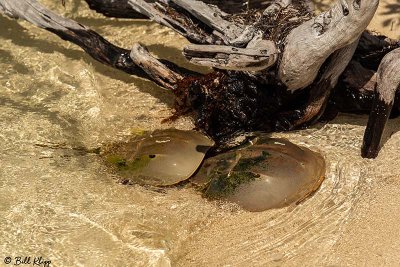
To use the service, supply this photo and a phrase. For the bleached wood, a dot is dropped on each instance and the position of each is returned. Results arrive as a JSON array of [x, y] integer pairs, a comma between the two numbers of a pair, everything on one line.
[[388, 77], [388, 83], [153, 67], [38, 15], [211, 17], [310, 44], [276, 6], [263, 55], [152, 13], [322, 88]]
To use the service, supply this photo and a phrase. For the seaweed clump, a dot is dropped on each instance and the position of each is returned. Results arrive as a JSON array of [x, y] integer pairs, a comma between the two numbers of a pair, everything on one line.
[[223, 184], [226, 103]]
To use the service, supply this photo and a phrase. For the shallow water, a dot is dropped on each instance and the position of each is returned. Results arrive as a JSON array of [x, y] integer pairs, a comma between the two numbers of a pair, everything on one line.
[[59, 202]]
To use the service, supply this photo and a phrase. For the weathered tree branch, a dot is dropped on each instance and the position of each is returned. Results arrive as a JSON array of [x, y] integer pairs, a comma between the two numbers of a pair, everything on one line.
[[315, 54], [388, 83], [198, 22], [355, 91], [320, 91], [115, 8], [210, 17], [121, 8], [154, 68], [263, 55], [178, 23], [232, 33], [276, 6], [309, 45]]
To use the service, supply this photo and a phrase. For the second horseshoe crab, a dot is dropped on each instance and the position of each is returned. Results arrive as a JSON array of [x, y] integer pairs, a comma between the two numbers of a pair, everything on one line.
[[270, 173]]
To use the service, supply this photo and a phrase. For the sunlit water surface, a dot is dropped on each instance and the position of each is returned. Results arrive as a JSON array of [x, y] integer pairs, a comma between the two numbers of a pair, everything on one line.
[[61, 203]]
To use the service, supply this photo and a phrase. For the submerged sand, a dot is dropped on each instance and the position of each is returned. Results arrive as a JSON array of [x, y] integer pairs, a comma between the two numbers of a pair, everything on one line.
[[62, 204]]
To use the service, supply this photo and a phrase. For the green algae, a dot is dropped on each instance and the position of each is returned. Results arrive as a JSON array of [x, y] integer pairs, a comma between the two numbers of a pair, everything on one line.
[[271, 173], [116, 160], [223, 184], [246, 164], [129, 167], [159, 158]]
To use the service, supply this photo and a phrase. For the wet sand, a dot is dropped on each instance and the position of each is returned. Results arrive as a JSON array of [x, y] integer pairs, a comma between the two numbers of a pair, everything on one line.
[[370, 237], [387, 20]]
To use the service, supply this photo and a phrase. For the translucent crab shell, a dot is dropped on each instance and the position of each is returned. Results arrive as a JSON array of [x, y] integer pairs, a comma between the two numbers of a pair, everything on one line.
[[273, 173], [159, 158]]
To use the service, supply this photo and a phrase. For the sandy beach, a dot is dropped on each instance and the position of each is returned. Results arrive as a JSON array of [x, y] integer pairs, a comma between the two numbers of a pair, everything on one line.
[[370, 236]]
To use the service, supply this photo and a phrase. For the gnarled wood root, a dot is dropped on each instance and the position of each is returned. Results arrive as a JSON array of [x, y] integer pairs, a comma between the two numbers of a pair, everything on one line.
[[261, 57], [310, 45], [388, 83], [319, 91], [226, 45]]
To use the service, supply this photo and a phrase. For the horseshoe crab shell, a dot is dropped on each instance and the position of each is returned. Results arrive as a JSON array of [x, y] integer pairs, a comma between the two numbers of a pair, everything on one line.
[[273, 173], [159, 158]]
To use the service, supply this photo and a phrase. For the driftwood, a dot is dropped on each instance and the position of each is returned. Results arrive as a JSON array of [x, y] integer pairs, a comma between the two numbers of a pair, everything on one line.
[[310, 44], [159, 16], [156, 70], [210, 17], [121, 8], [263, 55], [115, 8], [322, 88], [215, 29], [388, 83], [280, 67]]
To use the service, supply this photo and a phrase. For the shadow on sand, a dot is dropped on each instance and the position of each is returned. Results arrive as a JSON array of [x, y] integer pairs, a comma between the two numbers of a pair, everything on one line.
[[19, 36]]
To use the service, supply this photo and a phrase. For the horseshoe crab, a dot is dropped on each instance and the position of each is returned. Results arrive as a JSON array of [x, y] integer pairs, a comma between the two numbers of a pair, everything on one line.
[[269, 173], [159, 158], [273, 173]]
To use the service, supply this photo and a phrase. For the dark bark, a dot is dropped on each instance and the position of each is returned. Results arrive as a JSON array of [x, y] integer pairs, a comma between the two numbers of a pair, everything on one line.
[[163, 72], [109, 54], [115, 8], [376, 124], [101, 50], [372, 48], [320, 91], [121, 9], [355, 90], [388, 83]]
